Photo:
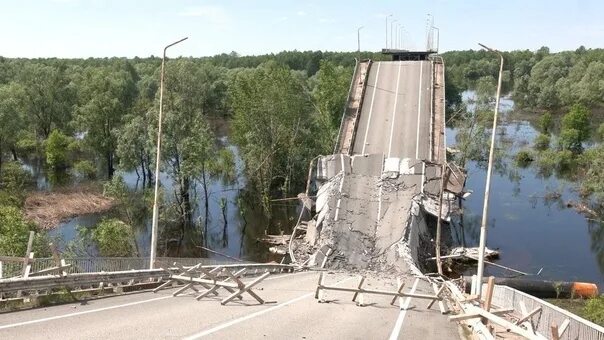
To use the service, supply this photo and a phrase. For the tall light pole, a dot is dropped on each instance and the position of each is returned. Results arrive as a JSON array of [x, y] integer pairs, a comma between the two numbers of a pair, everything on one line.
[[437, 37], [157, 159], [391, 33], [388, 16], [485, 209], [400, 37], [359, 41]]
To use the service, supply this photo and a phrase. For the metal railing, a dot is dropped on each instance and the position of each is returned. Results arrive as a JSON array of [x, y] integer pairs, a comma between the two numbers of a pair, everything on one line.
[[105, 264], [354, 77], [578, 328]]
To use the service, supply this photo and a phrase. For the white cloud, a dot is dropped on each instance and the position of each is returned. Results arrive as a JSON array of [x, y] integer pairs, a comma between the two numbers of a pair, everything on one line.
[[301, 13], [214, 14], [281, 19]]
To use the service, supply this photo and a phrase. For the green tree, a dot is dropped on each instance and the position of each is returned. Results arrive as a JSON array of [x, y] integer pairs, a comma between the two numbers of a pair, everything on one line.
[[56, 150], [188, 143], [114, 238], [273, 126], [546, 122], [11, 118], [578, 118], [49, 96], [107, 96], [14, 234], [329, 97]]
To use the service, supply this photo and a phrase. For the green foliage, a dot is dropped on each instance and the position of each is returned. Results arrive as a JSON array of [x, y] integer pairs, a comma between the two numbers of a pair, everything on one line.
[[594, 310], [600, 132], [523, 158], [49, 97], [537, 79], [11, 115], [578, 118], [561, 162], [541, 142], [56, 150], [14, 182], [592, 163], [329, 97], [570, 139], [546, 122], [85, 169], [274, 127], [14, 234], [106, 96], [114, 238]]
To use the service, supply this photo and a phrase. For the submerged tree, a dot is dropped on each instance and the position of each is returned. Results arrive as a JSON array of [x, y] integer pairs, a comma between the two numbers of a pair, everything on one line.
[[274, 126], [188, 144], [107, 96]]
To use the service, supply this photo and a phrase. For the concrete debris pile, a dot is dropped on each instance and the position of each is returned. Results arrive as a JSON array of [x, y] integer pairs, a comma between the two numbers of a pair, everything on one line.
[[364, 218]]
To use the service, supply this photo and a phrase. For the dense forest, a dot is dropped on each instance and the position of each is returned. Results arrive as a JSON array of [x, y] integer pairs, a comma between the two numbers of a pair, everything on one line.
[[97, 117], [537, 80]]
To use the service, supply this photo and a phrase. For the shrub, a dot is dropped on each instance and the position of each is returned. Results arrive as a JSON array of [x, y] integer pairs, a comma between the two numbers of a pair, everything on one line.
[[13, 232], [546, 122], [523, 158], [570, 139], [594, 310], [600, 132], [85, 169], [541, 142], [114, 238], [14, 181]]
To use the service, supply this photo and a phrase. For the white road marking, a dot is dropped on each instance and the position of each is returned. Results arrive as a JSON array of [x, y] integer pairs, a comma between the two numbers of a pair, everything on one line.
[[419, 108], [398, 80], [82, 313], [377, 76], [253, 315], [380, 194], [56, 317], [401, 317]]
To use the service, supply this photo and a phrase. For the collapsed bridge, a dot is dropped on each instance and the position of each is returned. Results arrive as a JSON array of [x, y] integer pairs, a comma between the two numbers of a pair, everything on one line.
[[375, 192]]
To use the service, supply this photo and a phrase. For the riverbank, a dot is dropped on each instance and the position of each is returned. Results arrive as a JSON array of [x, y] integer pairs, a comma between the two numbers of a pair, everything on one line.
[[49, 209]]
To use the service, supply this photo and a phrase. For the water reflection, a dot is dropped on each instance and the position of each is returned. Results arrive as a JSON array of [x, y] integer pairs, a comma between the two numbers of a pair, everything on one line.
[[529, 221], [233, 223]]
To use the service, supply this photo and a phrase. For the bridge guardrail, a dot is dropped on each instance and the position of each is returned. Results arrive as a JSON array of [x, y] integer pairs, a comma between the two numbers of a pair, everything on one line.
[[354, 76]]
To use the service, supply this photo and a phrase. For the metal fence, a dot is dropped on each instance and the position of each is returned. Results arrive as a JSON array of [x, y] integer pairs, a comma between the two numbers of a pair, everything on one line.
[[578, 328], [106, 264]]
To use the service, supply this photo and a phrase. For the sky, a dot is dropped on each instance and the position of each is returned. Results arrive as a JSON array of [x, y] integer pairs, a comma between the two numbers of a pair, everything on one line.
[[128, 28]]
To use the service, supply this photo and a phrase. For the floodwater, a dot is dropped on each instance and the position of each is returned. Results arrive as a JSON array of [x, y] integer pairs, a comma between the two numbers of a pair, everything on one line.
[[239, 239], [531, 229]]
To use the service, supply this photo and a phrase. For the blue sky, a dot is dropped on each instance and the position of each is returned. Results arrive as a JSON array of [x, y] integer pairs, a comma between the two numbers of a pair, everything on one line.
[[95, 28]]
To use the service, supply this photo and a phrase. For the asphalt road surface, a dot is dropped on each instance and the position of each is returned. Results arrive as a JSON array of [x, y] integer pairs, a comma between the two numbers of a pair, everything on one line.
[[395, 117], [295, 314]]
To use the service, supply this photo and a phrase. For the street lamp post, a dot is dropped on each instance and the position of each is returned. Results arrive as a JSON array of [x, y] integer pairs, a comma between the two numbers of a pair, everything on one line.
[[392, 33], [157, 159], [437, 37], [485, 209], [401, 34], [388, 16], [359, 41]]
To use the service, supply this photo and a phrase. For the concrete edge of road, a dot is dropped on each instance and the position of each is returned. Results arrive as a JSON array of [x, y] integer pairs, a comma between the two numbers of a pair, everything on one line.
[[64, 297]]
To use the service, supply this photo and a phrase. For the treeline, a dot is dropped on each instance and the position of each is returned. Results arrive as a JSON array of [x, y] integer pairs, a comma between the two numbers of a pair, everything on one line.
[[92, 117], [536, 80]]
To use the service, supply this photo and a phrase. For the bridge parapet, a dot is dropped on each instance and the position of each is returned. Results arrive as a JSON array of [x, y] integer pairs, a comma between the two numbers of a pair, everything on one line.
[[352, 110]]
